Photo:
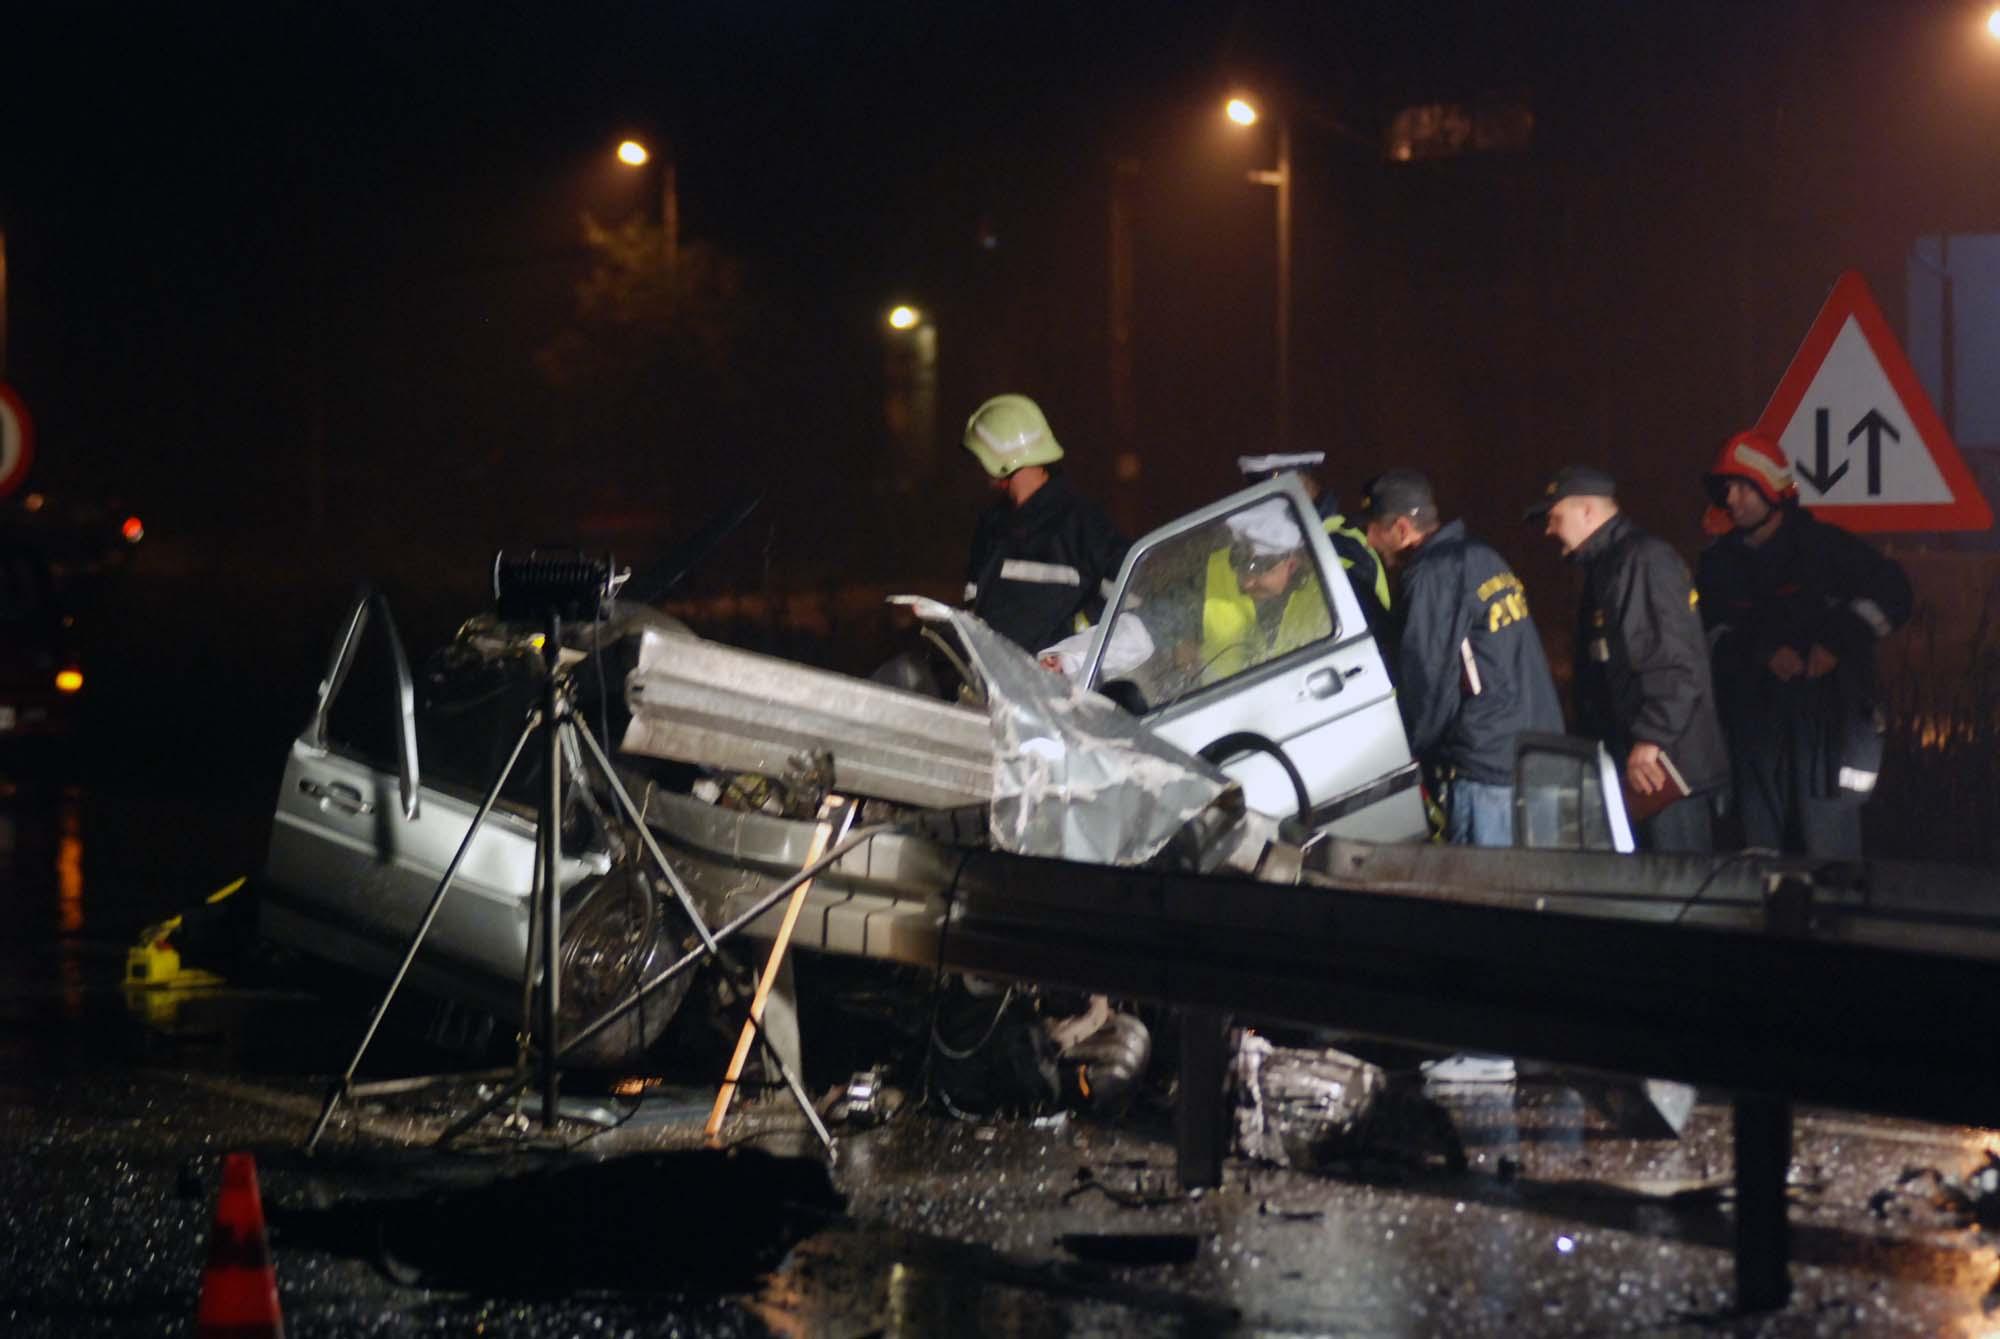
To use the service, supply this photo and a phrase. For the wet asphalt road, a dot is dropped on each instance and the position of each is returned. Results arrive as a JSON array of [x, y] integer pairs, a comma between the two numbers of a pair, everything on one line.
[[115, 1112]]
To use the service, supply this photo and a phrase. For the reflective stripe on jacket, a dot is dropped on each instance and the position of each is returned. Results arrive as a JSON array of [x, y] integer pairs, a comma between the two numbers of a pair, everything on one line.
[[1038, 568]]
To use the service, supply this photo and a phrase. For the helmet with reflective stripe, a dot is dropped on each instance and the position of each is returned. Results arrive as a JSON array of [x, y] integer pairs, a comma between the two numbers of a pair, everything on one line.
[[1009, 433], [1755, 459]]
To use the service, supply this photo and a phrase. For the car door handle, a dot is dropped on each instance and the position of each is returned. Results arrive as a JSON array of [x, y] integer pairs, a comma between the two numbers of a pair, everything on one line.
[[1324, 683], [336, 796]]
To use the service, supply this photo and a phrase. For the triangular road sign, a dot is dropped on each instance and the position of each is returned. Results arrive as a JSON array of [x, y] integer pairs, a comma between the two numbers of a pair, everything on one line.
[[1869, 451]]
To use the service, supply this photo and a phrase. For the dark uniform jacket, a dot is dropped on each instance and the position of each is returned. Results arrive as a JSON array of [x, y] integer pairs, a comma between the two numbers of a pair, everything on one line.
[[1036, 567], [1470, 671], [1641, 655], [1809, 584]]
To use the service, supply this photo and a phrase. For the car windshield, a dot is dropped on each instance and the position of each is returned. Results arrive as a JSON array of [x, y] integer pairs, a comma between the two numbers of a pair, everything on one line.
[[1215, 602]]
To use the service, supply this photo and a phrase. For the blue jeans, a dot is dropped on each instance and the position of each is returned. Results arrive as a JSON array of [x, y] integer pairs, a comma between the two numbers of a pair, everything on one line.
[[1479, 814]]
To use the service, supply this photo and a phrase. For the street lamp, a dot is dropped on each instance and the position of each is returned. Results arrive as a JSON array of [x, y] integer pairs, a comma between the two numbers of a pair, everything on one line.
[[910, 392], [1243, 112], [634, 154], [1993, 25]]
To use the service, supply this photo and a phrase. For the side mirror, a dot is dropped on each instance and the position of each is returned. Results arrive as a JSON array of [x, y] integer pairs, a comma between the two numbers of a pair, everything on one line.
[[1567, 796]]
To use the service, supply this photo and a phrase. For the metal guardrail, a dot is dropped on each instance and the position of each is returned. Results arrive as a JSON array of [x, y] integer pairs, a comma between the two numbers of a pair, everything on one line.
[[1779, 980]]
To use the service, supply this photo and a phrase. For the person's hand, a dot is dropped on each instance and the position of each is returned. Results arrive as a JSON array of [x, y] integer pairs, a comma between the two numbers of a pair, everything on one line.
[[1643, 770], [1820, 661], [1787, 665], [1051, 661]]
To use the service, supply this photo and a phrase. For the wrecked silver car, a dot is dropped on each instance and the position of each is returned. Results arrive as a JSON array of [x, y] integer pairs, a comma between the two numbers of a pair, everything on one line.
[[1199, 755]]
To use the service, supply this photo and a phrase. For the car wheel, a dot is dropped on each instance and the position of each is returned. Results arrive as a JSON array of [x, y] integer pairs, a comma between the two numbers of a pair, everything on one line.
[[622, 932]]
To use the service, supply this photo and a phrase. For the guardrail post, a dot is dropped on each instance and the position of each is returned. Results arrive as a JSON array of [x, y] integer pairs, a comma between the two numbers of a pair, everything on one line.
[[1763, 1130], [1200, 1127]]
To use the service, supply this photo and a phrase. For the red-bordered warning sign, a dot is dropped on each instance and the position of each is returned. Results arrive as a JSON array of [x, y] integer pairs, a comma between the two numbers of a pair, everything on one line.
[[17, 441], [1869, 451]]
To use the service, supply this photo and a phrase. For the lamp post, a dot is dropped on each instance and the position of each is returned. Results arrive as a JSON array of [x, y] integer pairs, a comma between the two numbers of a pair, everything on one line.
[[1243, 112], [636, 155], [909, 405]]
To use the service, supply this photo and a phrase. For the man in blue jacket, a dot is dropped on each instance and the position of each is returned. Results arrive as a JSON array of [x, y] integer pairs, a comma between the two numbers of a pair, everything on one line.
[[1469, 668]]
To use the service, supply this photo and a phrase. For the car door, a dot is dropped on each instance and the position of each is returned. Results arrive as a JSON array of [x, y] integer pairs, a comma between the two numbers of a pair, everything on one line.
[[1312, 686], [359, 845]]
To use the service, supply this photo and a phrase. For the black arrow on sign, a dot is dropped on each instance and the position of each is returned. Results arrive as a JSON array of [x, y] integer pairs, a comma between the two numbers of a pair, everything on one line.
[[1874, 425], [1823, 476]]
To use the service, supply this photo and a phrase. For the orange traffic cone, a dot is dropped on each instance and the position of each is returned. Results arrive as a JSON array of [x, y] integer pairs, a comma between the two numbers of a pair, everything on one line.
[[239, 1293]]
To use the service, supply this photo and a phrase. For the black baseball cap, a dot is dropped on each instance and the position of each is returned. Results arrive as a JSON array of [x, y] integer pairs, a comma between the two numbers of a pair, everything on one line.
[[1571, 481], [1395, 493]]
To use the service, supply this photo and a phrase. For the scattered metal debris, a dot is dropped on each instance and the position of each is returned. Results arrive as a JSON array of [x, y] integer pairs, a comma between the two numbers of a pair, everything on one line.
[[1311, 1109]]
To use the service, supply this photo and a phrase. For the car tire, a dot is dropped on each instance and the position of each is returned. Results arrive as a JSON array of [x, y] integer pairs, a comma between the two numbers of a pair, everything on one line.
[[620, 932]]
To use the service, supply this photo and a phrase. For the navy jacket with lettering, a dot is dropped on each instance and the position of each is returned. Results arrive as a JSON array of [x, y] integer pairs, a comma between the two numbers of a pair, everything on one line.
[[1458, 593], [1641, 655], [1035, 567]]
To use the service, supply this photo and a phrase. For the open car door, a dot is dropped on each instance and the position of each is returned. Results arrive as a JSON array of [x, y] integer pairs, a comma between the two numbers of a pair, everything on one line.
[[358, 844], [1282, 686]]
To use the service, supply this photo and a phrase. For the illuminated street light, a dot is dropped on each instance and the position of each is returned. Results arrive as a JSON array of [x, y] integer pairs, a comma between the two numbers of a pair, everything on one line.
[[634, 154], [1243, 113], [1993, 25], [910, 393]]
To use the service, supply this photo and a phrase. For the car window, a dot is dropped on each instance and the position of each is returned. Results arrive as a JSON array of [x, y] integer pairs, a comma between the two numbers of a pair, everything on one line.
[[470, 712], [362, 720], [1216, 602]]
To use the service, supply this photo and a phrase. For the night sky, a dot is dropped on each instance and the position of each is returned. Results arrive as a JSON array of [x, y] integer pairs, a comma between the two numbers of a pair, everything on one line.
[[284, 277]]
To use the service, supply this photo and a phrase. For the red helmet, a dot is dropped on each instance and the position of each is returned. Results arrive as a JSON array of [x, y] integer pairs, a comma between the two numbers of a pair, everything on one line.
[[1755, 459]]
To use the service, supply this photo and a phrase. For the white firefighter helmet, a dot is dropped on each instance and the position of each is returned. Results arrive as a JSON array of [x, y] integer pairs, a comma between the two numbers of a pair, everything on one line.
[[1008, 433]]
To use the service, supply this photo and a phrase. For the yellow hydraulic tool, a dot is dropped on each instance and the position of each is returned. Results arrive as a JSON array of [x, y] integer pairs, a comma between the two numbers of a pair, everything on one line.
[[155, 962]]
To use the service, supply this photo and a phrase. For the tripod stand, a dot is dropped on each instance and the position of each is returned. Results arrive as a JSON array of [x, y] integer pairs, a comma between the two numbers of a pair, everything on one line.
[[555, 720]]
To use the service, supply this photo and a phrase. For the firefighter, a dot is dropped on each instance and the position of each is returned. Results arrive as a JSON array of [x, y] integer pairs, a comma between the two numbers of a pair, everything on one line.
[[1469, 669], [1641, 679], [1794, 607], [1365, 572], [1045, 557]]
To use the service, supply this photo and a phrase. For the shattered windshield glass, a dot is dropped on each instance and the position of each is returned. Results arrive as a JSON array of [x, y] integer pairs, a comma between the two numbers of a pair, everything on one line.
[[1216, 602]]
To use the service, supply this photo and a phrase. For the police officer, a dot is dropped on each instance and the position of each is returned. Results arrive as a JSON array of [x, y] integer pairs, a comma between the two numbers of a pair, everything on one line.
[[1262, 597], [1365, 572], [1794, 608], [1641, 681], [1044, 557], [1469, 667]]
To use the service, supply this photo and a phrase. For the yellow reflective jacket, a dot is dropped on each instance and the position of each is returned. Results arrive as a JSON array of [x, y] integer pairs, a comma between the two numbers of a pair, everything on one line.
[[1358, 550], [1232, 640]]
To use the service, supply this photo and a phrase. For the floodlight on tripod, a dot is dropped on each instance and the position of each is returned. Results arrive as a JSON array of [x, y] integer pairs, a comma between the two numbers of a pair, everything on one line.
[[540, 584]]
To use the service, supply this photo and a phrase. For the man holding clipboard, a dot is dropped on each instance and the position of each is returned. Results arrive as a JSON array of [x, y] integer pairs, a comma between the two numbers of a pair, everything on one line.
[[1642, 677]]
